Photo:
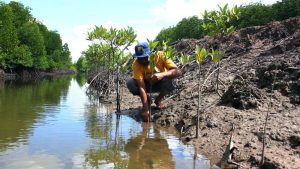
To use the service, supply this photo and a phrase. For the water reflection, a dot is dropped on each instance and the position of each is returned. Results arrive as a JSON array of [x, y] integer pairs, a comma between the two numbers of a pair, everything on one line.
[[106, 150], [22, 105], [120, 142], [53, 124], [144, 150], [80, 79], [149, 150]]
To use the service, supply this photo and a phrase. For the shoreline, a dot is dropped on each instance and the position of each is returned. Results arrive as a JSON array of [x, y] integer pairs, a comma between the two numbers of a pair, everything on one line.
[[32, 74]]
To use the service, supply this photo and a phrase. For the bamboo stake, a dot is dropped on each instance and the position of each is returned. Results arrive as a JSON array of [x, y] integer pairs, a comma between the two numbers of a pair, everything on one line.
[[266, 121], [199, 102]]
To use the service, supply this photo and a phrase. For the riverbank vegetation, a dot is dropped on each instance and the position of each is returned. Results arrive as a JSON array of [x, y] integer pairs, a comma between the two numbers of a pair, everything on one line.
[[254, 14], [27, 44]]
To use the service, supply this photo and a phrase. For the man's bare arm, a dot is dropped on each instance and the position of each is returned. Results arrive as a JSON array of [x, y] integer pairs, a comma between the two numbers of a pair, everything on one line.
[[172, 73], [143, 94]]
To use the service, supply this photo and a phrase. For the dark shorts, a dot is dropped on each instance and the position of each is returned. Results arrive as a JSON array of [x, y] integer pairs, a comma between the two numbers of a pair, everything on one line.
[[166, 85]]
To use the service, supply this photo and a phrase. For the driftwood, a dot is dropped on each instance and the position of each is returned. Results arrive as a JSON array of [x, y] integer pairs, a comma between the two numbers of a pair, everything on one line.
[[227, 160]]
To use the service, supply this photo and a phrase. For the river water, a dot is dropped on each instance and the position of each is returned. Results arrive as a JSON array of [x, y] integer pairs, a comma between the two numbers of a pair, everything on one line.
[[52, 123]]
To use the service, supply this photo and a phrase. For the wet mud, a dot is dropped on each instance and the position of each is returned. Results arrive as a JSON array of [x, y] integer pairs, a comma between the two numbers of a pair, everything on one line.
[[260, 74]]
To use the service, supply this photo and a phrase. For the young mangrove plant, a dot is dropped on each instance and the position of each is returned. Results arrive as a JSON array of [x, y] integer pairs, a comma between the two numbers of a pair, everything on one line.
[[220, 22], [217, 24], [200, 55], [216, 56], [109, 47], [153, 46], [184, 59], [169, 51]]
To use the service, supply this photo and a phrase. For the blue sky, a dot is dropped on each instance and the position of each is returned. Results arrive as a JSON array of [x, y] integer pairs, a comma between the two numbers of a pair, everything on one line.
[[74, 18]]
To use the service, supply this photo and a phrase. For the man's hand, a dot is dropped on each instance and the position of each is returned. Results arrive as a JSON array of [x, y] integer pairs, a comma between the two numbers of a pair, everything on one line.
[[145, 115], [172, 73], [157, 77]]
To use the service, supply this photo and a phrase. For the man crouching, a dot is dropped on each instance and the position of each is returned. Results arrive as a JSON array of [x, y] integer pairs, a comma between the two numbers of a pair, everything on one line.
[[162, 79]]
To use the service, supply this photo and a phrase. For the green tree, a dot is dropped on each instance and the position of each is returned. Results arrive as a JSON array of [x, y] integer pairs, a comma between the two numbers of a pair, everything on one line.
[[26, 42], [64, 60], [219, 22], [81, 65], [96, 56], [110, 47], [286, 9], [30, 35], [20, 57], [112, 43], [8, 33], [189, 28], [58, 54], [53, 42], [21, 14], [2, 59], [254, 15], [166, 35]]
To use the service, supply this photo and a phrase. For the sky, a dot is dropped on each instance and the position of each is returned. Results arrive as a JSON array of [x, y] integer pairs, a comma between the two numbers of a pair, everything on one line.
[[74, 18]]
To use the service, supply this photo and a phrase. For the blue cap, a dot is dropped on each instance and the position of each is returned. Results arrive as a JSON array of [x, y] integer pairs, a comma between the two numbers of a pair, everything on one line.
[[142, 50]]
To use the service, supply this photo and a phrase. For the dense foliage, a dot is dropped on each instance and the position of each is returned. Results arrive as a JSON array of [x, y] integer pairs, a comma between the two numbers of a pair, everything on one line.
[[26, 43], [250, 15], [192, 24], [106, 58], [109, 49]]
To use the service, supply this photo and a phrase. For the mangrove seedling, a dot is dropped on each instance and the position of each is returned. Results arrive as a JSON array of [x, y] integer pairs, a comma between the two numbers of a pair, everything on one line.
[[216, 56], [152, 45], [200, 55]]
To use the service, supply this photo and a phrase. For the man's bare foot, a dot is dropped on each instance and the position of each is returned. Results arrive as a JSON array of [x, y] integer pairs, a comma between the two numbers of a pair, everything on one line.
[[159, 106]]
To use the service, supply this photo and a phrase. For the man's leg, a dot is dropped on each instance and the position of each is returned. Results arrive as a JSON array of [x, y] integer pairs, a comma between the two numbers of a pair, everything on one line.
[[132, 87], [159, 98], [165, 86]]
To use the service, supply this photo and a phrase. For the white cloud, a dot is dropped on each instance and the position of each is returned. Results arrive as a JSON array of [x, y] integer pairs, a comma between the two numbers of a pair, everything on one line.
[[174, 10], [27, 161], [163, 15], [76, 40]]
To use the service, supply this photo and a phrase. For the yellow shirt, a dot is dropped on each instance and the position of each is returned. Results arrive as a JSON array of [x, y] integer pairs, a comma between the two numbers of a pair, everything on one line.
[[162, 64]]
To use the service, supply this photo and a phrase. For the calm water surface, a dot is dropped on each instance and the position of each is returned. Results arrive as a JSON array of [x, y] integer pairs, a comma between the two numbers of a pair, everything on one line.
[[53, 124]]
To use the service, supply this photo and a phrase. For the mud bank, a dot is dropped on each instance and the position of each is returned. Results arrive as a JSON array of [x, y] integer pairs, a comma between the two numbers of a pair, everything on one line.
[[259, 73]]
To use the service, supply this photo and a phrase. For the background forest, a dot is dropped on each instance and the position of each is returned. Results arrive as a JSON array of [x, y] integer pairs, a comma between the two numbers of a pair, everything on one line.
[[27, 44], [250, 15]]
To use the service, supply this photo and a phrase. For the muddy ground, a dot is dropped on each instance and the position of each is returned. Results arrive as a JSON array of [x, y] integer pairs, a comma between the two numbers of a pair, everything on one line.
[[260, 74]]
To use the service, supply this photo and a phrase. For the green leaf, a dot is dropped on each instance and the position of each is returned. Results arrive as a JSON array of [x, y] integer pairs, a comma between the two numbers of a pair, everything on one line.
[[152, 44], [230, 29], [184, 58], [216, 55], [218, 22], [151, 59], [200, 54]]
